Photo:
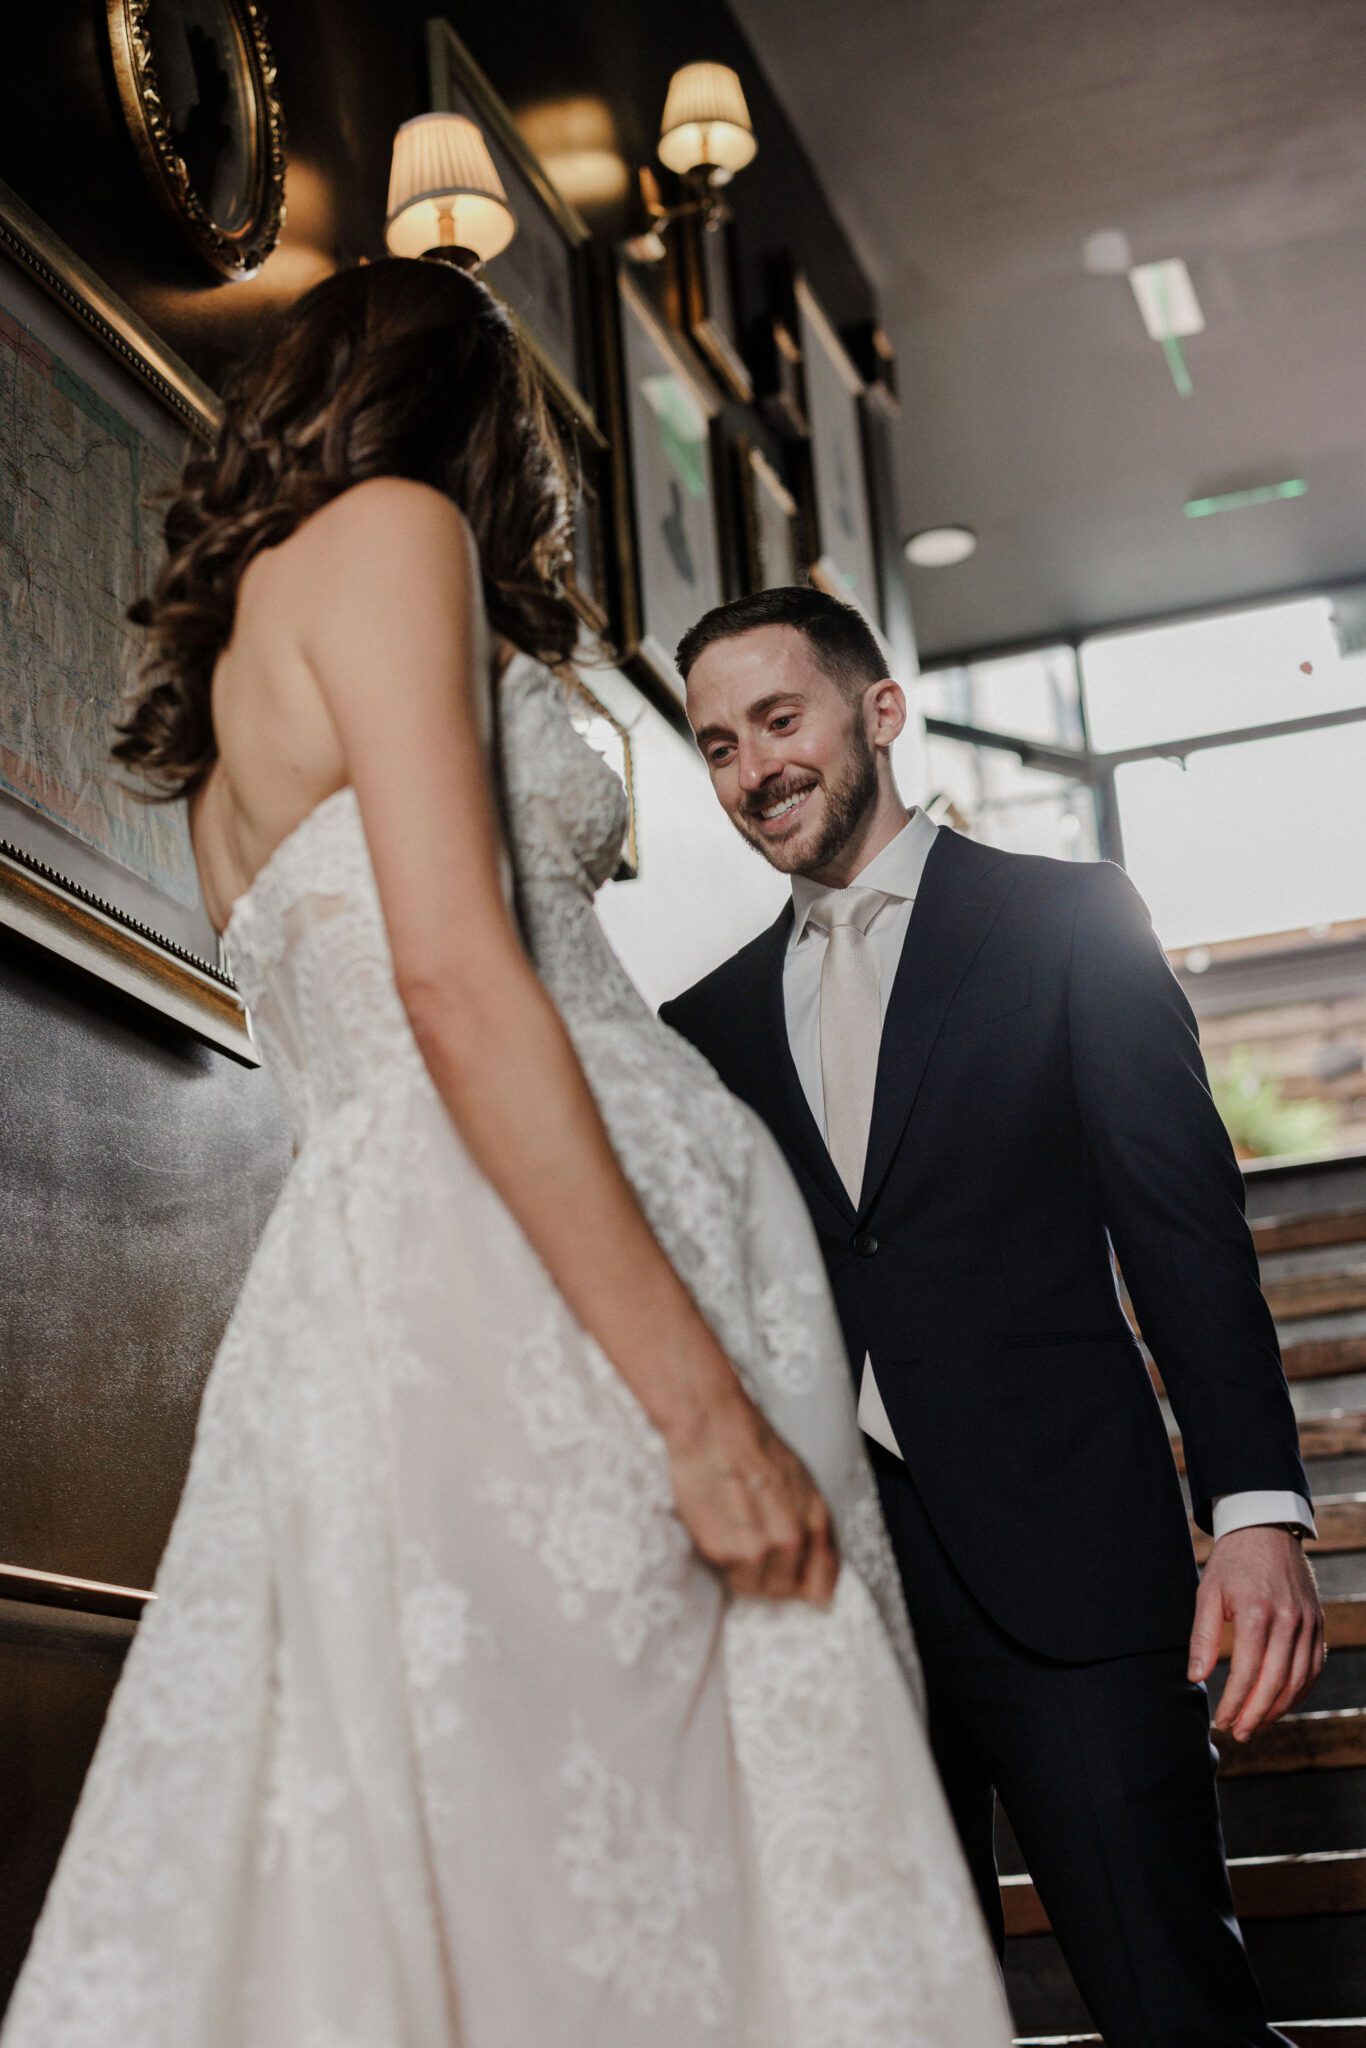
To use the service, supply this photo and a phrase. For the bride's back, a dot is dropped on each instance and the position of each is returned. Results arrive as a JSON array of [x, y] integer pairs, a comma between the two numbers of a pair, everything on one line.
[[279, 752]]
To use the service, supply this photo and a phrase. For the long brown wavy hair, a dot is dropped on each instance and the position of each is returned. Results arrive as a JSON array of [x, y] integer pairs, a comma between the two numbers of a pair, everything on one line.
[[398, 368]]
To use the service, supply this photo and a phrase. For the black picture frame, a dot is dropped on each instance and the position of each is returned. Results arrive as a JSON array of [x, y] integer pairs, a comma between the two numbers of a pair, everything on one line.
[[773, 520], [779, 378], [550, 281], [844, 558], [870, 348], [707, 296], [671, 533], [542, 275]]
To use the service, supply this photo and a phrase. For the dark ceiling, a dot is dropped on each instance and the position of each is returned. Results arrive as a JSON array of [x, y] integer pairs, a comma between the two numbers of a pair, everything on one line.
[[970, 147]]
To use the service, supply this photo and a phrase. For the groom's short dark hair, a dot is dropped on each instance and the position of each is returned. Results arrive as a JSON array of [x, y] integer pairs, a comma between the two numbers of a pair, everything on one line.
[[840, 637]]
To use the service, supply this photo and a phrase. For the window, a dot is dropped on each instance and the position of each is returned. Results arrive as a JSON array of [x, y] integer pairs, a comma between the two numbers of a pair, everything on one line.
[[1267, 836], [1218, 673], [1008, 798], [1248, 845]]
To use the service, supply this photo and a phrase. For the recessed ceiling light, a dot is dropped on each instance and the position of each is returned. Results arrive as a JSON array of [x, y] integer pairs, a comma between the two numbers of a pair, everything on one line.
[[1106, 253], [939, 547]]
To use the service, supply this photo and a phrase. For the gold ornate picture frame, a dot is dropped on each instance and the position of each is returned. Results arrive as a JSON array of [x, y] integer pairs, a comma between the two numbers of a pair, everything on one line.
[[95, 415], [196, 81]]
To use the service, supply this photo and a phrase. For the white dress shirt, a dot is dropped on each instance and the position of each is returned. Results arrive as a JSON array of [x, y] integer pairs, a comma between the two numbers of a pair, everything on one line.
[[896, 871]]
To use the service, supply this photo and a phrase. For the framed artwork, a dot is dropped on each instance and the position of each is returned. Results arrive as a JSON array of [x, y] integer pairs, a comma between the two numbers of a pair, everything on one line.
[[607, 735], [668, 417], [588, 458], [544, 276], [875, 360], [782, 388], [774, 554], [196, 81], [844, 560], [542, 272], [704, 254], [95, 415]]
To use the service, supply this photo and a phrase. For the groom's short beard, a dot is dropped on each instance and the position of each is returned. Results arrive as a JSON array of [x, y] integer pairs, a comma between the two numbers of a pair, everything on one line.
[[847, 802], [848, 799]]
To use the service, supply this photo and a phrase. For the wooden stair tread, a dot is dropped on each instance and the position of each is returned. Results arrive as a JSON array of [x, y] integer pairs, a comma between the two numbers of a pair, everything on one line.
[[1308, 1233], [1264, 1888], [1338, 1435], [1315, 1294], [1302, 1887], [1341, 1519], [1345, 1623], [1334, 1740], [1323, 1358]]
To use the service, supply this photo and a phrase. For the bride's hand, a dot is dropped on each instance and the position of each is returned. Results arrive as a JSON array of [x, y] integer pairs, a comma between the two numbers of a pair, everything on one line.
[[753, 1509]]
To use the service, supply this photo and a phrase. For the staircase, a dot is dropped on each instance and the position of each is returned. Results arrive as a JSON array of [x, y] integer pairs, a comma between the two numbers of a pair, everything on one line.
[[1294, 1798]]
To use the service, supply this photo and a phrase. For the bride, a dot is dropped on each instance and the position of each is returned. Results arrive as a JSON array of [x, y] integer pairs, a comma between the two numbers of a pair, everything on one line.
[[527, 1665]]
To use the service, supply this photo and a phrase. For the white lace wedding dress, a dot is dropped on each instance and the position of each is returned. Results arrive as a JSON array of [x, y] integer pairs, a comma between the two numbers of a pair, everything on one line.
[[439, 1734]]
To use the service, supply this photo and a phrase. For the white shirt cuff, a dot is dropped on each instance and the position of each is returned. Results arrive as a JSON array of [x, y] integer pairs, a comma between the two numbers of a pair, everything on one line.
[[1255, 1510]]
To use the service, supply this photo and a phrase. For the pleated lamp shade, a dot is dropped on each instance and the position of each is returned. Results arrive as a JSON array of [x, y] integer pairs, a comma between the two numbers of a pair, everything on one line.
[[706, 122], [444, 191]]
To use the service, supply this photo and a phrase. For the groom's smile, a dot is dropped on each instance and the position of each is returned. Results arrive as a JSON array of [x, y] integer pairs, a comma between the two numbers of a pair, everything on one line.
[[787, 748], [777, 813]]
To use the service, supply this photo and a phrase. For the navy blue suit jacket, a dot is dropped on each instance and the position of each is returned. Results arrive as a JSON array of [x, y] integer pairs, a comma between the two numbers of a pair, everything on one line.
[[1040, 1095]]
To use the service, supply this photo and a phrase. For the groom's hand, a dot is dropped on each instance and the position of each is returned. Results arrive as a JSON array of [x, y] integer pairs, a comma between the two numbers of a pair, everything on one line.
[[1259, 1580]]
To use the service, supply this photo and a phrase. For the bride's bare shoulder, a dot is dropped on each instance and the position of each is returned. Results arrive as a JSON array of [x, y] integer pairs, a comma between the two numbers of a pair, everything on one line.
[[379, 526]]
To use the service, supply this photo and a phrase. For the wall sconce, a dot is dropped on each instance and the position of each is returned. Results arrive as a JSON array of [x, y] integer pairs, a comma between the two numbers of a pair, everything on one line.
[[446, 199], [705, 137], [706, 126]]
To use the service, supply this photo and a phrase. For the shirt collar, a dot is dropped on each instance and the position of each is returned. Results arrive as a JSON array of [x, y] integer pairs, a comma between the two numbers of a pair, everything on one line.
[[896, 871]]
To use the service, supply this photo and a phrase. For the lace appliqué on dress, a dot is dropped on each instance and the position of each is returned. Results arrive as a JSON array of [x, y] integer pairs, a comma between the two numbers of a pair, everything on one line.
[[602, 1521], [643, 1880]]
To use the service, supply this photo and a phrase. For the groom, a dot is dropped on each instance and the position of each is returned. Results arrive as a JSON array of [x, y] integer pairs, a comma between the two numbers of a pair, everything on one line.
[[984, 1075]]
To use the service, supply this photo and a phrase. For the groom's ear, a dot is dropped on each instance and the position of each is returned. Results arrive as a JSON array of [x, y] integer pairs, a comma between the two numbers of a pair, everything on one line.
[[884, 712]]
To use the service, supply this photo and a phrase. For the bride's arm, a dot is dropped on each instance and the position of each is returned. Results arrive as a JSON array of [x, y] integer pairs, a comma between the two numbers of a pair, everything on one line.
[[389, 603]]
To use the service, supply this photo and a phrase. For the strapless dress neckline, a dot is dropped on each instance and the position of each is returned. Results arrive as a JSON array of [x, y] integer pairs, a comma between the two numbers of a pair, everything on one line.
[[279, 854]]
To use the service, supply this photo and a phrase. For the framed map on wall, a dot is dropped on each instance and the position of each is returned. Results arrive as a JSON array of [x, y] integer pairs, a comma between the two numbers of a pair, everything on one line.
[[95, 417]]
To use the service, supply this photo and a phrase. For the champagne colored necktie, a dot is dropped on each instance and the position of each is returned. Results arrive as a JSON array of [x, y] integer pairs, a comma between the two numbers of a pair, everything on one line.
[[851, 1026]]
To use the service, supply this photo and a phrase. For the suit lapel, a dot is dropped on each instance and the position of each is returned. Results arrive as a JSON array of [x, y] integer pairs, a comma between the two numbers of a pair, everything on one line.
[[775, 1089], [960, 894]]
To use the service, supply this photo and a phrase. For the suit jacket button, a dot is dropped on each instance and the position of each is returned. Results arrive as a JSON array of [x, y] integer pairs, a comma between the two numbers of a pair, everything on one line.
[[865, 1244]]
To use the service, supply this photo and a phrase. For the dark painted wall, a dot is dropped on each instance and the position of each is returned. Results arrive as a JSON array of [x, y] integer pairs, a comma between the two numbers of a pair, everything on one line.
[[137, 1167], [349, 72]]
